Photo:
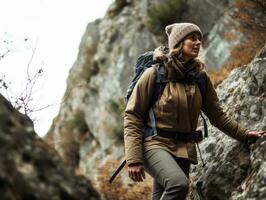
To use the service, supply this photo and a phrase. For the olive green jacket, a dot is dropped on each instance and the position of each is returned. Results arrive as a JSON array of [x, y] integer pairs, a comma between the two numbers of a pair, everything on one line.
[[177, 109]]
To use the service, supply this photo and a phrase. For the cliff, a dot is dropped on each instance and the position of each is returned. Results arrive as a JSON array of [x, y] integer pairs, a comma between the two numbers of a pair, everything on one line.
[[29, 168], [235, 170]]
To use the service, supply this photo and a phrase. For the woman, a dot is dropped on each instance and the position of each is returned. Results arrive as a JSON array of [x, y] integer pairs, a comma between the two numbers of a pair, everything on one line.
[[177, 110]]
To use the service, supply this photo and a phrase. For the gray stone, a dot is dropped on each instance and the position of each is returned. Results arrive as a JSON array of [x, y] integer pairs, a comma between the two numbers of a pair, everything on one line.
[[30, 168], [236, 171]]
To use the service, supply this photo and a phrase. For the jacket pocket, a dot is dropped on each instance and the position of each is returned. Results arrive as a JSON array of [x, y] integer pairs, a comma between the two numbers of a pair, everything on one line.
[[167, 103]]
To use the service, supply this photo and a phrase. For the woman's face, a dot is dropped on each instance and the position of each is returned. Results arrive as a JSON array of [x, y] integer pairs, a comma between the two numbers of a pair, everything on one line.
[[191, 45]]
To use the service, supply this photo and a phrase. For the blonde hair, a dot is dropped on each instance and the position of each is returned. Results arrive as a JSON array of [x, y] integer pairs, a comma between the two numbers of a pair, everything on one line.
[[175, 52]]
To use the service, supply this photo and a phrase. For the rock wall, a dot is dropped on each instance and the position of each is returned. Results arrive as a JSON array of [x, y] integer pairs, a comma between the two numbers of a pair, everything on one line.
[[234, 170], [232, 40], [29, 168]]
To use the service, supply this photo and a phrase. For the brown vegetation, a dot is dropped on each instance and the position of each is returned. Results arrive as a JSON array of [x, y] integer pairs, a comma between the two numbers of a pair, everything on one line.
[[255, 33], [118, 190]]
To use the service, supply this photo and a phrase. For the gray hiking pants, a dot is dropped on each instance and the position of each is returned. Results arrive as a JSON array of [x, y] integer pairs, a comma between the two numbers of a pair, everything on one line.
[[170, 174]]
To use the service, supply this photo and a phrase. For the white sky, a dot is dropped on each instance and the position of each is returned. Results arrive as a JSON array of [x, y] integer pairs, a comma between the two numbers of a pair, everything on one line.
[[55, 27]]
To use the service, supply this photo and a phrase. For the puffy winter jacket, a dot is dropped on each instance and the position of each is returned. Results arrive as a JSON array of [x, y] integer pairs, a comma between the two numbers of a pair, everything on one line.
[[177, 109]]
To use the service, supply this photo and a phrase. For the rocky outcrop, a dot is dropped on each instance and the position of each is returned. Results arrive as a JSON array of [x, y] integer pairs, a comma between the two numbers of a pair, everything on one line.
[[235, 170], [232, 40], [214, 8], [96, 87], [29, 168]]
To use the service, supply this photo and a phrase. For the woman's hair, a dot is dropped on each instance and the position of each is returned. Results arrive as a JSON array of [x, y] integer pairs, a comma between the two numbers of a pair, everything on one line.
[[177, 51]]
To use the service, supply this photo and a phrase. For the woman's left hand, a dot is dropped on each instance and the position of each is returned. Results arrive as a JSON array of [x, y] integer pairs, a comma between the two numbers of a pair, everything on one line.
[[254, 135]]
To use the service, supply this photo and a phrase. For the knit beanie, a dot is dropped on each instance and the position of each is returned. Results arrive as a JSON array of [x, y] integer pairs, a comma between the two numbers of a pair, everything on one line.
[[178, 31]]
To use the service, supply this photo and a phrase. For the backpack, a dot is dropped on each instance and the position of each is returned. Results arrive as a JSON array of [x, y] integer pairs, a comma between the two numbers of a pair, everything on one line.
[[144, 62]]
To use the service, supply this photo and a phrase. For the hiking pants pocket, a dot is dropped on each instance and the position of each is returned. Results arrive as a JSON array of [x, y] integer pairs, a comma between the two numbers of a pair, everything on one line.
[[170, 174]]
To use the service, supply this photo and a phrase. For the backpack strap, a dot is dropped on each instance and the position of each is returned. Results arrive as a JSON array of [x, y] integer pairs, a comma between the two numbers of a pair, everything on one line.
[[153, 122], [160, 84], [202, 84], [206, 134]]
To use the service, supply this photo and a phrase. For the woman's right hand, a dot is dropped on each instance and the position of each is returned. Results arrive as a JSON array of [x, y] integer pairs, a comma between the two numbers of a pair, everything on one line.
[[254, 135], [136, 172]]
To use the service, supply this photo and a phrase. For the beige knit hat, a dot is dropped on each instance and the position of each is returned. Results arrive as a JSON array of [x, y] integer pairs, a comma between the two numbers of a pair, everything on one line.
[[178, 31]]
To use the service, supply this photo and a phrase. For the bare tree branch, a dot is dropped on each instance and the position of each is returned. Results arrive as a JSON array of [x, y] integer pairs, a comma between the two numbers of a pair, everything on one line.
[[31, 58], [4, 54]]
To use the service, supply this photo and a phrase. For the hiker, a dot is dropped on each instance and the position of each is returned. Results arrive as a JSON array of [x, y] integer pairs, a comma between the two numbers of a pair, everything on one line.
[[168, 155]]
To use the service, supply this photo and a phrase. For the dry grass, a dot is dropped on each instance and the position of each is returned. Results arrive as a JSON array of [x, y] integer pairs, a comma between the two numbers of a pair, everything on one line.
[[217, 76], [118, 190]]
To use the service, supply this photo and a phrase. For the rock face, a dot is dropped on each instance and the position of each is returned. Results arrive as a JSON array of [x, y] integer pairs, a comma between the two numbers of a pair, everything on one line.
[[231, 40], [88, 130], [234, 170], [29, 168]]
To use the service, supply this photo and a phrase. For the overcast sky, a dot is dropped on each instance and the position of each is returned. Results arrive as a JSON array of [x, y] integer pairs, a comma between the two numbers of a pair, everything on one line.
[[55, 28]]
